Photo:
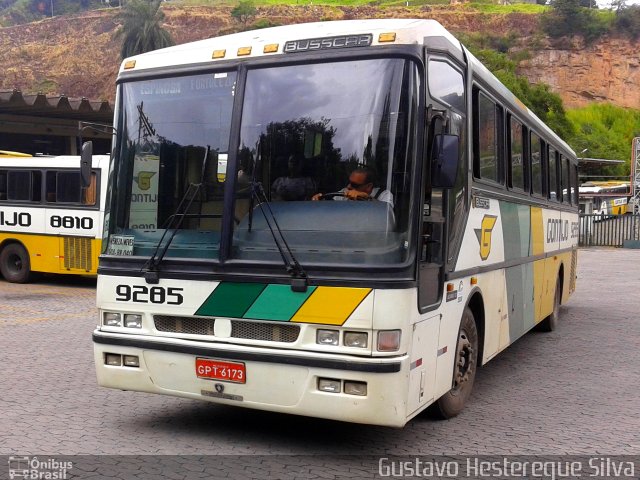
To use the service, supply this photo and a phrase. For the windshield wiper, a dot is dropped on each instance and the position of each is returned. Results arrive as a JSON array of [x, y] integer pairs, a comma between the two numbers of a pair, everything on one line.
[[299, 279], [150, 268]]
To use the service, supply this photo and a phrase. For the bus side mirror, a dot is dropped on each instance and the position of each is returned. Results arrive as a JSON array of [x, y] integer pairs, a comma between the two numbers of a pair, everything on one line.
[[85, 164], [444, 160]]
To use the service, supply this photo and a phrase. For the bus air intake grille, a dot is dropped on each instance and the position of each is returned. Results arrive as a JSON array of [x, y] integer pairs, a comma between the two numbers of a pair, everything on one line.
[[249, 330], [268, 332], [77, 253], [189, 325]]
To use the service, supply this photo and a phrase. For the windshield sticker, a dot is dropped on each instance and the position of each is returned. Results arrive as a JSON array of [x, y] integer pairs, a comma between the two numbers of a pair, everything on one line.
[[121, 245]]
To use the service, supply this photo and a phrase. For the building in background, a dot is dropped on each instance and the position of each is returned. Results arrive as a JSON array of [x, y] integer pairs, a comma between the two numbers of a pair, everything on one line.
[[41, 124]]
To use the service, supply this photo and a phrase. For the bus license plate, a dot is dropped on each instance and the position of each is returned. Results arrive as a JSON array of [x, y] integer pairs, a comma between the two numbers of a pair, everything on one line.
[[219, 370]]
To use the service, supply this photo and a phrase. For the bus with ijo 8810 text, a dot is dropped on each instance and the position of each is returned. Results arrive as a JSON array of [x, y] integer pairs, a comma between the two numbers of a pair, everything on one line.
[[51, 215], [340, 220]]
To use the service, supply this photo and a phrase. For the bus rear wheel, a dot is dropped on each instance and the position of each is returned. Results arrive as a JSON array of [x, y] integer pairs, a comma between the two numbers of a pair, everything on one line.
[[550, 323], [14, 264], [464, 369]]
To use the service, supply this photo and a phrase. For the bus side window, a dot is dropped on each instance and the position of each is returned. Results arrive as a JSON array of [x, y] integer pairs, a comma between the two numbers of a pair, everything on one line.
[[486, 148], [566, 180], [3, 184], [517, 165], [89, 194], [552, 176], [536, 165], [19, 185], [50, 187]]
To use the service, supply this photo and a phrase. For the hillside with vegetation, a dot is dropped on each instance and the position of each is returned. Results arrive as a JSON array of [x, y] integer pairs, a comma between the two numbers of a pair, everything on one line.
[[575, 67]]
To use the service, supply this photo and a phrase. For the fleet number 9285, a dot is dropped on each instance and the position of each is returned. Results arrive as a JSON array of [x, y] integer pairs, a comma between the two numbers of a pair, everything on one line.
[[144, 294]]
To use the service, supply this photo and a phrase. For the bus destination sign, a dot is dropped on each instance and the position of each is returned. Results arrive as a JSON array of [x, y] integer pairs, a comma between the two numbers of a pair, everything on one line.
[[325, 43]]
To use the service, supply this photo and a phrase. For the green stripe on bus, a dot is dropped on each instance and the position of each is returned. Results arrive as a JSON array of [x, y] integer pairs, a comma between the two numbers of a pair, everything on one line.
[[278, 302], [231, 299], [516, 224]]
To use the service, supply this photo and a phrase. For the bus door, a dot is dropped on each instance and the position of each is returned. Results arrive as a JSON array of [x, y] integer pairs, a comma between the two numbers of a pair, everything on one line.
[[442, 209]]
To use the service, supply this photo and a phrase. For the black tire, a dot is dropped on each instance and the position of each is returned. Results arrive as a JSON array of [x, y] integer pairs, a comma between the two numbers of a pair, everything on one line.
[[464, 369], [550, 323], [14, 264]]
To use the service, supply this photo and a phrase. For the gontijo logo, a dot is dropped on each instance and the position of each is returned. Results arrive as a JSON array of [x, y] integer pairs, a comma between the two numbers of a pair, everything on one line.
[[484, 235]]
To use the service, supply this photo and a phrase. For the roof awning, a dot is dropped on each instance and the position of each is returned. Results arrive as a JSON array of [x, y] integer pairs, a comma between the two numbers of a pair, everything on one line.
[[14, 102]]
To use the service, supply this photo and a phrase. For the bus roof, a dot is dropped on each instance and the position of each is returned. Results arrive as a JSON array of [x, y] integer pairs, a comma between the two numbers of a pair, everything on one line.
[[408, 31], [255, 43]]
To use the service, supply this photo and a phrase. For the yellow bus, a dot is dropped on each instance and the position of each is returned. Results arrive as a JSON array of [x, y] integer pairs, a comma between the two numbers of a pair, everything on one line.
[[338, 219], [49, 222]]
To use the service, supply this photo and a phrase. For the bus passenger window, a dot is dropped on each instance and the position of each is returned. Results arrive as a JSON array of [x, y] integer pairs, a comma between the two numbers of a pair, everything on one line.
[[67, 187], [566, 180], [19, 185], [536, 165], [3, 185], [574, 184], [89, 193], [516, 161], [486, 161], [553, 175]]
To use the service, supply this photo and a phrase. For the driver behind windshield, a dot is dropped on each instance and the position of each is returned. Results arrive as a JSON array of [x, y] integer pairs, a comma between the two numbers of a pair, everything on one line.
[[360, 187]]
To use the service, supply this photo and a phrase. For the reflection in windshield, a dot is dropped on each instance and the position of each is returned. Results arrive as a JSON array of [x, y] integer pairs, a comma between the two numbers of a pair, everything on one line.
[[176, 136], [342, 130], [327, 129]]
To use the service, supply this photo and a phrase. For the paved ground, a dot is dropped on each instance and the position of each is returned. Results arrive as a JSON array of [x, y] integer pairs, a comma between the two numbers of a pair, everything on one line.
[[572, 391]]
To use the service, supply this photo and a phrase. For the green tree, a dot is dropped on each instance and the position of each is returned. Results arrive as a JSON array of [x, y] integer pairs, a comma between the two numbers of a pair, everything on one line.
[[141, 28], [244, 11], [628, 21], [570, 17], [606, 131]]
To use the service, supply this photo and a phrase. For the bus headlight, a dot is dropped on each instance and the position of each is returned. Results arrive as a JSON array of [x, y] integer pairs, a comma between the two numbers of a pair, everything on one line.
[[327, 337], [356, 339], [388, 340], [132, 321], [112, 320]]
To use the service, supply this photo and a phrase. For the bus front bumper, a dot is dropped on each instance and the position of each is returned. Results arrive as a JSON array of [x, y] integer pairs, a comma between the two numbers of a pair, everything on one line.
[[280, 381]]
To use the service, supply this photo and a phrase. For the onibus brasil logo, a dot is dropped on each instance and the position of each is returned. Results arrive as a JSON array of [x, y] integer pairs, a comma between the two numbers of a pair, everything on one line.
[[34, 468]]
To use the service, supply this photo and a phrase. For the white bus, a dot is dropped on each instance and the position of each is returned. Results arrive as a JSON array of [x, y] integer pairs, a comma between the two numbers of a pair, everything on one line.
[[607, 198], [49, 221], [225, 281]]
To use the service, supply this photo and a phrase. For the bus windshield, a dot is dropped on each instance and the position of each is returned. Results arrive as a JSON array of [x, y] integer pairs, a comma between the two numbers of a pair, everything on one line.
[[308, 132]]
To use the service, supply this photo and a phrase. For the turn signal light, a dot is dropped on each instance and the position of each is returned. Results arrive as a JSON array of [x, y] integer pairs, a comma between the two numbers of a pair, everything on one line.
[[389, 340]]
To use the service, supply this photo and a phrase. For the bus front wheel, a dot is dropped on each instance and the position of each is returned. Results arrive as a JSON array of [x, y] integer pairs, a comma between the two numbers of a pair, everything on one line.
[[464, 369], [14, 264]]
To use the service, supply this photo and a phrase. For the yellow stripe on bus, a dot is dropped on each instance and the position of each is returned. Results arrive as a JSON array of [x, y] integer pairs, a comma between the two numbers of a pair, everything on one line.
[[537, 231], [330, 305]]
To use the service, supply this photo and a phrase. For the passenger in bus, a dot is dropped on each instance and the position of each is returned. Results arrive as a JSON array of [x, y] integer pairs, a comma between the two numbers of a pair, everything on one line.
[[294, 186], [361, 187]]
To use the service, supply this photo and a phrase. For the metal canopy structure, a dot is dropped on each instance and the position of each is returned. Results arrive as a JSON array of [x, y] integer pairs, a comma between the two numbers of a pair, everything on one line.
[[39, 123], [14, 102]]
